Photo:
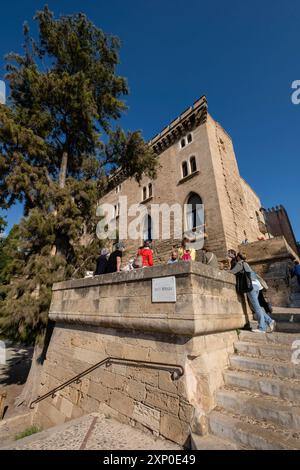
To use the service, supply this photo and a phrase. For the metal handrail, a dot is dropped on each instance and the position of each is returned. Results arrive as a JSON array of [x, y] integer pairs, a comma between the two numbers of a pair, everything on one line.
[[176, 371]]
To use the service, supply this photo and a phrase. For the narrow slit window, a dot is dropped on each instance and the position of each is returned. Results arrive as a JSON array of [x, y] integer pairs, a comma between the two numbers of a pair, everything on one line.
[[184, 169], [189, 138], [144, 193], [150, 189], [182, 143], [193, 164]]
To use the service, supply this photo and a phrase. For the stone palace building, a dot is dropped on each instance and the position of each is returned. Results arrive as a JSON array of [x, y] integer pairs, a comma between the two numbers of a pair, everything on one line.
[[198, 166]]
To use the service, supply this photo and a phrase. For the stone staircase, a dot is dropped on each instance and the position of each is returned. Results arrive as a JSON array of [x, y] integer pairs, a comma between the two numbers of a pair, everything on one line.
[[259, 406], [287, 319]]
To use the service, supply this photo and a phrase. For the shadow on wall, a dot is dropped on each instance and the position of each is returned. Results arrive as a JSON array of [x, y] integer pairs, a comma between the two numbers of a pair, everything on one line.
[[17, 366]]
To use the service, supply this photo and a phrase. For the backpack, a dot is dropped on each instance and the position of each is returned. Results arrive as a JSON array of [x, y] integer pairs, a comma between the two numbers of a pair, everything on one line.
[[244, 281]]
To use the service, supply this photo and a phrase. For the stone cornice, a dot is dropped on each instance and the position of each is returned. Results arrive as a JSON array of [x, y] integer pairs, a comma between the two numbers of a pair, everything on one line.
[[192, 117], [185, 122]]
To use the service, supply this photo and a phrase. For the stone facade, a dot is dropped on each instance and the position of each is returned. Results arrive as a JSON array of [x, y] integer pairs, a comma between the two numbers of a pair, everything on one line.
[[113, 315], [279, 224], [230, 205]]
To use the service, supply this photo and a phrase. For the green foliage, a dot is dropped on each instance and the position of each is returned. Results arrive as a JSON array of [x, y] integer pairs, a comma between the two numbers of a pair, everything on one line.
[[8, 251], [27, 432], [65, 95]]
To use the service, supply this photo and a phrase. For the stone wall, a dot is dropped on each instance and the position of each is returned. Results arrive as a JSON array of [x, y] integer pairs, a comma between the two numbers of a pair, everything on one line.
[[113, 315], [279, 224], [236, 202], [255, 218]]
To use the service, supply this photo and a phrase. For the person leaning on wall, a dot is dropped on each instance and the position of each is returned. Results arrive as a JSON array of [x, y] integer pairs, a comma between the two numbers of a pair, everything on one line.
[[242, 268], [115, 259]]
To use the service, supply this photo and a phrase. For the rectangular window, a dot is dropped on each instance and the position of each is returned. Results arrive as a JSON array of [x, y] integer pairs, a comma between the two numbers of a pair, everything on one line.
[[193, 164], [144, 193], [184, 169]]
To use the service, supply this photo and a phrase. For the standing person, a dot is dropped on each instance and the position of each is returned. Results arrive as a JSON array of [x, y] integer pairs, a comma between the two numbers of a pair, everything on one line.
[[232, 258], [115, 259], [296, 271], [263, 318], [174, 257], [185, 250], [101, 262], [187, 255], [261, 298], [146, 254], [209, 258]]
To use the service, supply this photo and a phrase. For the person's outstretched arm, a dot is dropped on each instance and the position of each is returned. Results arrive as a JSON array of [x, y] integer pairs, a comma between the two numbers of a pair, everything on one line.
[[119, 260]]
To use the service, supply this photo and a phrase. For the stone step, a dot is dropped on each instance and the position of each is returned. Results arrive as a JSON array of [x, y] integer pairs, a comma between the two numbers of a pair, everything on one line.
[[295, 296], [211, 442], [265, 350], [264, 408], [277, 367], [252, 434], [281, 327], [286, 314], [269, 338], [295, 299], [295, 304], [287, 389], [288, 327]]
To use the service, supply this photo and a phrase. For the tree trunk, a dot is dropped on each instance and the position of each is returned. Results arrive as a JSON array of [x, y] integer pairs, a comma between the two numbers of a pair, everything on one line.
[[33, 382], [63, 170]]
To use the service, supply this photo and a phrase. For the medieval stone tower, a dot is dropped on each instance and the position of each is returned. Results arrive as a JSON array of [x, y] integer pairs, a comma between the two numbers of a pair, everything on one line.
[[197, 165]]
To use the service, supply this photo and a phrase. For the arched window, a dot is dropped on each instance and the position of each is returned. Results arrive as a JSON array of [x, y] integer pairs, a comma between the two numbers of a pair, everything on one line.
[[193, 164], [189, 138], [147, 228], [182, 143], [194, 212], [144, 193], [150, 190], [185, 170]]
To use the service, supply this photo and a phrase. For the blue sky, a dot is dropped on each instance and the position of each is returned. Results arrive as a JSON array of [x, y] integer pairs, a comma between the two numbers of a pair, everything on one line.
[[243, 55]]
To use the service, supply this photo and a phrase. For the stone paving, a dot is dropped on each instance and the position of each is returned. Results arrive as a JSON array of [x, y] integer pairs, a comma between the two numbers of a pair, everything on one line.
[[92, 432]]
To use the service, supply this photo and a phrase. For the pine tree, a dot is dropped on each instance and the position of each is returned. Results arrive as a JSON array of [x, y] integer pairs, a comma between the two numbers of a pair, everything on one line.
[[66, 99]]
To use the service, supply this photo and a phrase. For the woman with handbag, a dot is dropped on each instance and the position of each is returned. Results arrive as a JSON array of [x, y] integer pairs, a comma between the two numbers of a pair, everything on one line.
[[247, 282]]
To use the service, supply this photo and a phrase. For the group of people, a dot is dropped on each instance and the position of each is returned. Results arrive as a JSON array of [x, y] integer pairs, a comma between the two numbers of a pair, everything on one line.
[[112, 262]]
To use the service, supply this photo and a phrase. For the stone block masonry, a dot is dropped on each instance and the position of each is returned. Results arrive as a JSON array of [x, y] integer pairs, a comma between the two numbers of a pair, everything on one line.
[[113, 315]]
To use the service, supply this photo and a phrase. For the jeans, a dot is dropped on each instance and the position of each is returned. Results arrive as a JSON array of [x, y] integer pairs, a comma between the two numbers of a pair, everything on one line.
[[263, 317]]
